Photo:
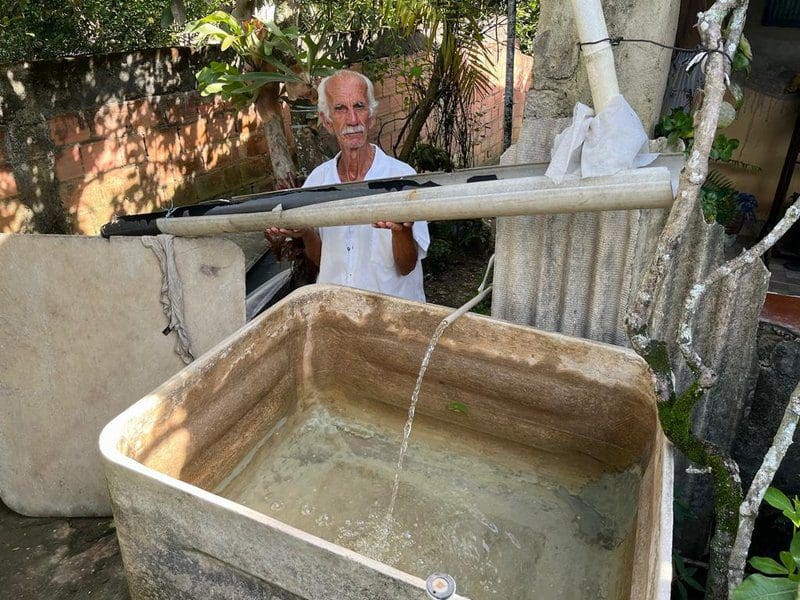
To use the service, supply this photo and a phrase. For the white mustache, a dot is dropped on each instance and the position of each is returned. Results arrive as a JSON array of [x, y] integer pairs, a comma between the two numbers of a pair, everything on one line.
[[353, 129]]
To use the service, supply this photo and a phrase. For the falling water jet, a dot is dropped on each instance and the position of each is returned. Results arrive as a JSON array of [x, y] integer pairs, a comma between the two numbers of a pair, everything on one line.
[[483, 291]]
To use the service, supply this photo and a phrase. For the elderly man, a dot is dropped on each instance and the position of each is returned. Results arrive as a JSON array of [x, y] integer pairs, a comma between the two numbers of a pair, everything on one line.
[[384, 257]]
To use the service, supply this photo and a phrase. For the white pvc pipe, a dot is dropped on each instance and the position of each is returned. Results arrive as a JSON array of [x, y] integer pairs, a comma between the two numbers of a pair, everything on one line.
[[599, 58], [647, 187]]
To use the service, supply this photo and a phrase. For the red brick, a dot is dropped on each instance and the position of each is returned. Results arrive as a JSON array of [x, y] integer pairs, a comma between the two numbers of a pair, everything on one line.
[[104, 155], [248, 118], [135, 151], [265, 184], [15, 217], [69, 129], [221, 127], [162, 144], [232, 177], [180, 167], [8, 185], [176, 193], [93, 202], [110, 118], [256, 145], [194, 135], [210, 106], [68, 163], [143, 114], [253, 168], [211, 184], [219, 182], [219, 155], [181, 108]]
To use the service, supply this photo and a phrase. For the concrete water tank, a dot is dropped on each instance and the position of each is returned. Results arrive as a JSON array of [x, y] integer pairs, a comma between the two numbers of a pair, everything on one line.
[[536, 468]]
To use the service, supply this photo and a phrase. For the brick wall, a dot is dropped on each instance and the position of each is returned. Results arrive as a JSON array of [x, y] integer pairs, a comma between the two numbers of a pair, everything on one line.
[[394, 98], [84, 138], [119, 148]]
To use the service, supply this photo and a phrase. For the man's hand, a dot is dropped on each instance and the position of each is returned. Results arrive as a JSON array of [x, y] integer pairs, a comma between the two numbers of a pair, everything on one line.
[[404, 248], [279, 237], [393, 226], [275, 233]]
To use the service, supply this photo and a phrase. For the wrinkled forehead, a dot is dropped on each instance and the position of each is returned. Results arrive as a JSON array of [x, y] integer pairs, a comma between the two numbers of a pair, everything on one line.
[[346, 90]]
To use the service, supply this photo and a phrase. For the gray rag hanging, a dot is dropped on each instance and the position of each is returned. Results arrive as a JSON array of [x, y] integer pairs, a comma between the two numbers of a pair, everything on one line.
[[171, 291]]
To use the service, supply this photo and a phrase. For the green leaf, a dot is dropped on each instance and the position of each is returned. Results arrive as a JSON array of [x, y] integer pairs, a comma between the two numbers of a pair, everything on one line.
[[458, 407], [741, 62], [213, 88], [768, 566], [794, 547], [788, 561], [738, 94], [745, 48], [759, 587], [227, 42], [793, 516]]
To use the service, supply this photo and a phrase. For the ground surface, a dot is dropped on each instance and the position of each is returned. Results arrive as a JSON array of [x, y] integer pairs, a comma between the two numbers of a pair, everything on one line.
[[71, 559], [459, 282], [59, 559]]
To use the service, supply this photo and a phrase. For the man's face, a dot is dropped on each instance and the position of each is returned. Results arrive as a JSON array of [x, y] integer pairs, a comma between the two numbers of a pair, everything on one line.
[[350, 119]]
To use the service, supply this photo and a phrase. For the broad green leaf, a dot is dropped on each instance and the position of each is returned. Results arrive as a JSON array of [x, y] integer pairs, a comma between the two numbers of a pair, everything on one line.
[[745, 48], [794, 547], [213, 88], [760, 587], [738, 94], [682, 593], [788, 561], [793, 516], [768, 566], [227, 42]]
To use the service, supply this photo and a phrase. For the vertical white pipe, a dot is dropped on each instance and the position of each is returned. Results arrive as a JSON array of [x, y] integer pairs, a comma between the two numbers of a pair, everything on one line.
[[599, 58]]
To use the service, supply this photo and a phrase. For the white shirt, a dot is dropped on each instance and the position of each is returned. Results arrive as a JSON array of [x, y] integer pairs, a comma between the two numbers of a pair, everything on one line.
[[361, 256]]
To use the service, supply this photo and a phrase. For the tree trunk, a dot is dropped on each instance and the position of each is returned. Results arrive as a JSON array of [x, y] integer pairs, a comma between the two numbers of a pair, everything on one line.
[[269, 109], [178, 13], [424, 108]]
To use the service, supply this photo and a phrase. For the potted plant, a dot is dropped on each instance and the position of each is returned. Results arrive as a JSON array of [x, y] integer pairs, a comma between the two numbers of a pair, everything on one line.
[[724, 204]]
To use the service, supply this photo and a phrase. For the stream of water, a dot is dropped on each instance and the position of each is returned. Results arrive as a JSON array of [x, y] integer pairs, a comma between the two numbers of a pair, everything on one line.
[[407, 428]]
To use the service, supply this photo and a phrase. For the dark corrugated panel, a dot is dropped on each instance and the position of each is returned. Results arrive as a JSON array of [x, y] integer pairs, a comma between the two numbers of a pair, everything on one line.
[[681, 85]]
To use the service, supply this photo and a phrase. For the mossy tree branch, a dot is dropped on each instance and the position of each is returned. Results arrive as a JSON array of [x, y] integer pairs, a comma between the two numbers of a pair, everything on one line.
[[675, 411]]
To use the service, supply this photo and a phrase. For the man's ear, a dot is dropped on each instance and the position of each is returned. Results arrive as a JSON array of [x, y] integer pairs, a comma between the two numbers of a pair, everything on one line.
[[326, 123]]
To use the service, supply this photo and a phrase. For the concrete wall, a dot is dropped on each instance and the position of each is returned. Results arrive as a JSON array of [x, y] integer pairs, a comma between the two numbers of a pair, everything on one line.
[[82, 336], [764, 127], [560, 80]]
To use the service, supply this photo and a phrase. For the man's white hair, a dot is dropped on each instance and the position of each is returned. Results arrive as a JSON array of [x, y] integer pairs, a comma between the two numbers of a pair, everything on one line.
[[322, 101]]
